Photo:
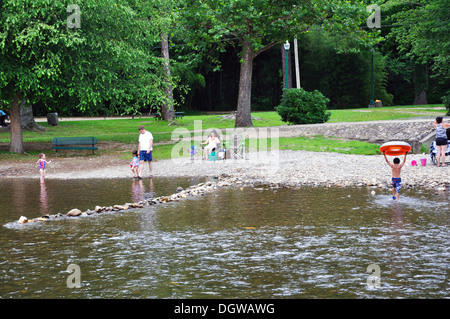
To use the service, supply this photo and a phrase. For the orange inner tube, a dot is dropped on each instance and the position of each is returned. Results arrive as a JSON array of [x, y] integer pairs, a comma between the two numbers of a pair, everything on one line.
[[395, 149]]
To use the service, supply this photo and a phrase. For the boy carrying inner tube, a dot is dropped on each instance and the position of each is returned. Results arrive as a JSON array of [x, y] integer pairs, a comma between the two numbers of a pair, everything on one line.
[[396, 180]]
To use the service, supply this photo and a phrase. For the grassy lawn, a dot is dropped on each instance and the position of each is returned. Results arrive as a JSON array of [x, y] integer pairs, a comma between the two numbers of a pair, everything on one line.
[[386, 113], [330, 144], [126, 130]]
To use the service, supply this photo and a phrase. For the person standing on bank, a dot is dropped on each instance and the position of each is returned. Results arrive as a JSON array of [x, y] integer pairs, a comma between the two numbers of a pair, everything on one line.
[[441, 139], [145, 150]]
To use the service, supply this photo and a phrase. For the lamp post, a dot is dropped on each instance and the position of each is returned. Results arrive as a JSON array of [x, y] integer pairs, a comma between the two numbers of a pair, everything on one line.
[[286, 48], [371, 102]]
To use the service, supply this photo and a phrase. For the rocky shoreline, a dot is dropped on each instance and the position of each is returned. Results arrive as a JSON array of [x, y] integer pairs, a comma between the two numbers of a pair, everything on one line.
[[290, 169], [303, 168], [200, 189], [284, 167]]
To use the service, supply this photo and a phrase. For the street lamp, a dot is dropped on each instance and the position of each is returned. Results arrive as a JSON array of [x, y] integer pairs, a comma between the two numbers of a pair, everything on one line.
[[371, 102], [286, 48]]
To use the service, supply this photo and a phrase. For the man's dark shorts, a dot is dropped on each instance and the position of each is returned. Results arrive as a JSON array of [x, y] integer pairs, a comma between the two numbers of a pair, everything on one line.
[[143, 156]]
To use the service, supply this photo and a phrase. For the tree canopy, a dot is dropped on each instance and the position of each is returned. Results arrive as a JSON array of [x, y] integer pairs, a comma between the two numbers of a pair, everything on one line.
[[112, 56], [106, 59], [422, 31], [260, 24]]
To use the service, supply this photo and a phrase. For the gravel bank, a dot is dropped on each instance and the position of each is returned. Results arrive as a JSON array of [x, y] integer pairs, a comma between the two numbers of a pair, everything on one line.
[[287, 168], [296, 168]]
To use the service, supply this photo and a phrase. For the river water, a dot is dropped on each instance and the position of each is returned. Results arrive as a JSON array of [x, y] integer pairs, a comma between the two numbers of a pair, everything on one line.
[[236, 243]]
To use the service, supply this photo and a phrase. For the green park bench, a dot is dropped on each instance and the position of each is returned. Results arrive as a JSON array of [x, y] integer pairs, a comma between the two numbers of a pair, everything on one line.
[[179, 114], [75, 143]]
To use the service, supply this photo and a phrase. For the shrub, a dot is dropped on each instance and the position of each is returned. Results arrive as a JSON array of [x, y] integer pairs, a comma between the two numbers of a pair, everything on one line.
[[302, 107]]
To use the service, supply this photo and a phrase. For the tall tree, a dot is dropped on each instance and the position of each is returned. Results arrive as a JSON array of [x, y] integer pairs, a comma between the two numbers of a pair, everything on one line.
[[260, 24], [167, 110], [421, 33], [164, 15], [95, 51]]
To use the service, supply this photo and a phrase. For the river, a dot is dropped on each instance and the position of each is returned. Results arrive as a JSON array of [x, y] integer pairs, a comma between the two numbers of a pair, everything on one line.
[[239, 242]]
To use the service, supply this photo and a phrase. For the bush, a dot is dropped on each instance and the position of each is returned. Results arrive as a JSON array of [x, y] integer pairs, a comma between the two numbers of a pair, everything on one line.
[[302, 107]]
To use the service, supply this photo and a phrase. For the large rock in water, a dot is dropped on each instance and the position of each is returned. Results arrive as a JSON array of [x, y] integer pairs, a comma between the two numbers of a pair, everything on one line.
[[74, 212], [22, 220]]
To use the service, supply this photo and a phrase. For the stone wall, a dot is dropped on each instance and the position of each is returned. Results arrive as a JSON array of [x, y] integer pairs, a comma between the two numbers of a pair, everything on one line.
[[413, 132]]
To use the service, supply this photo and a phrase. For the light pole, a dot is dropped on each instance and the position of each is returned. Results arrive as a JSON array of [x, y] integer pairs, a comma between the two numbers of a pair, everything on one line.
[[371, 102], [286, 48]]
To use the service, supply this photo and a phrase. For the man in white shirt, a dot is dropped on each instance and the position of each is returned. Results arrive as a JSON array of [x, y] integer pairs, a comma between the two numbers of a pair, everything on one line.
[[145, 150]]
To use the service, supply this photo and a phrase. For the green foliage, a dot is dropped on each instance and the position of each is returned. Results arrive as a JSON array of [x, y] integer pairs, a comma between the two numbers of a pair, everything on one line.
[[302, 107], [422, 31], [259, 25], [104, 63], [325, 69]]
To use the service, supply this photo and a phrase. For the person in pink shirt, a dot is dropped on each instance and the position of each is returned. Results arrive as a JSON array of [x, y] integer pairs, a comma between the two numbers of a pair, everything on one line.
[[42, 164]]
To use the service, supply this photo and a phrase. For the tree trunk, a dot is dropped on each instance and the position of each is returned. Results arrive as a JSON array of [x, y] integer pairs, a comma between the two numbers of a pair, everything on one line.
[[27, 119], [16, 127], [167, 110], [243, 113], [421, 98], [420, 84]]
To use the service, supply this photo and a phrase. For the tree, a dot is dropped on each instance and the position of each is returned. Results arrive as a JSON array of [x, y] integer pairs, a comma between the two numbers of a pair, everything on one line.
[[167, 110], [163, 15], [96, 52], [260, 24], [422, 31], [422, 34], [344, 77]]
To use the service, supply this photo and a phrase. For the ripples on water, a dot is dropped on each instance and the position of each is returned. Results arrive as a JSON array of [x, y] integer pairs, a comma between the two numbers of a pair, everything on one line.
[[239, 243]]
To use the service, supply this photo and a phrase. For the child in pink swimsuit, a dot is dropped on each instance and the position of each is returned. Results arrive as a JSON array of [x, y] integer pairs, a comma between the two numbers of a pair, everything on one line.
[[42, 163]]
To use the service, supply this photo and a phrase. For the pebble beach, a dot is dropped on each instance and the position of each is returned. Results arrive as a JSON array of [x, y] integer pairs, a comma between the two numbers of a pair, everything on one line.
[[297, 168], [284, 167]]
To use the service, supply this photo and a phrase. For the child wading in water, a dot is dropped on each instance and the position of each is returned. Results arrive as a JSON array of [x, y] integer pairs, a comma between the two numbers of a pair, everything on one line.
[[42, 163], [396, 180], [135, 164]]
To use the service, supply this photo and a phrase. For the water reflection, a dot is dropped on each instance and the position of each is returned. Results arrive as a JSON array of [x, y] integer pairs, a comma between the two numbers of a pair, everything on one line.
[[235, 243], [30, 198], [138, 190], [44, 200]]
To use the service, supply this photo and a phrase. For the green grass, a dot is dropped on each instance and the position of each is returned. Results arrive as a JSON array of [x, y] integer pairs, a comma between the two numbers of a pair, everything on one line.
[[331, 144], [316, 143], [126, 130], [387, 113]]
